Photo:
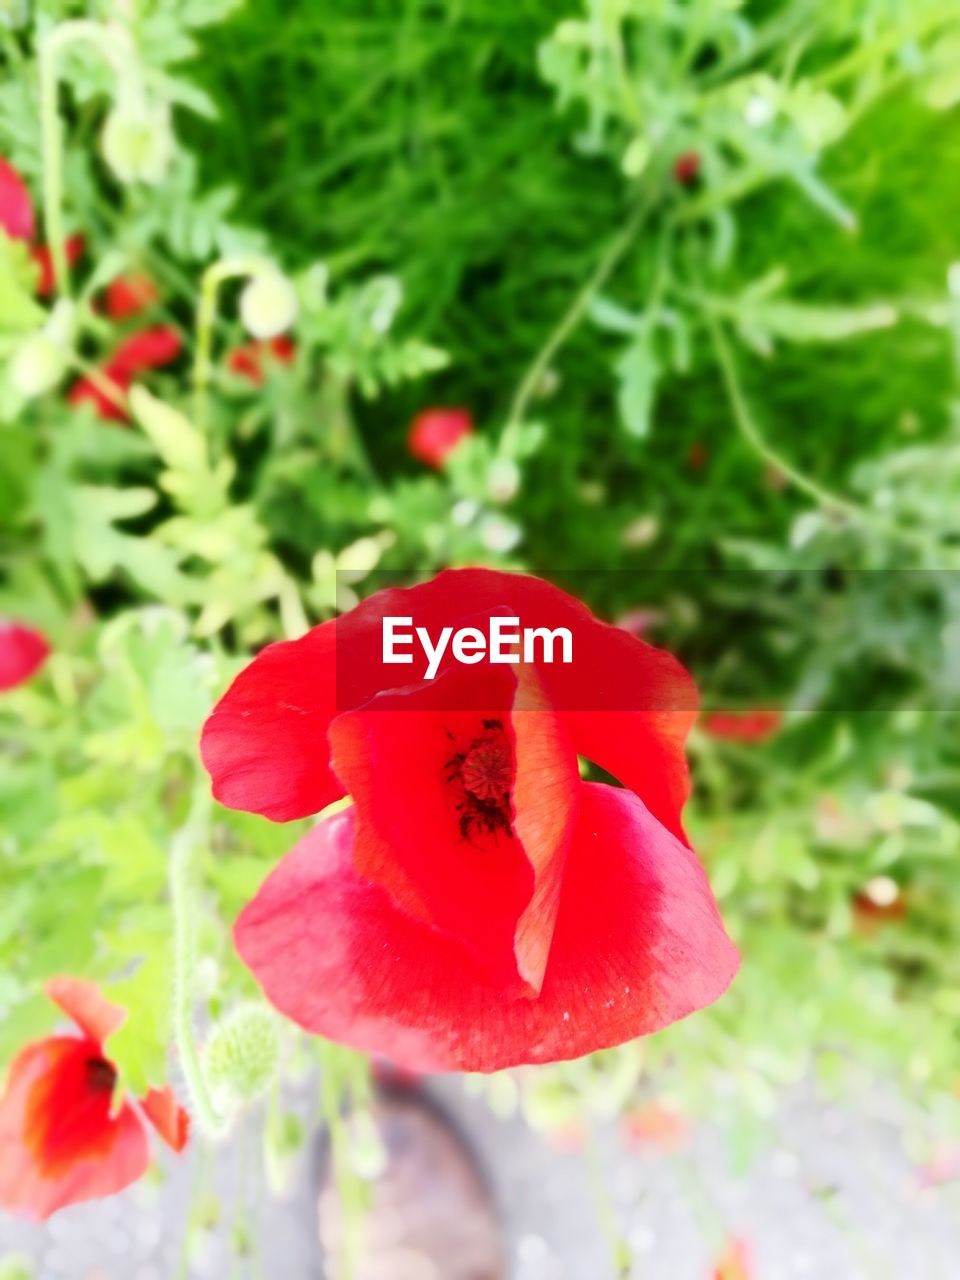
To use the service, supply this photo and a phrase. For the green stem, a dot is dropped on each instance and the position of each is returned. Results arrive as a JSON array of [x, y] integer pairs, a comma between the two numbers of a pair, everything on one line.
[[570, 319], [182, 896], [114, 44], [813, 489], [620, 1251], [214, 276]]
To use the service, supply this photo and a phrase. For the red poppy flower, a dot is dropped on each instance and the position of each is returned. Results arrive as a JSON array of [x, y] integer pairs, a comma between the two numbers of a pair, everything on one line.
[[686, 168], [61, 1137], [148, 349], [127, 296], [734, 1262], [248, 361], [16, 207], [744, 726], [435, 433], [479, 905], [17, 219], [23, 652]]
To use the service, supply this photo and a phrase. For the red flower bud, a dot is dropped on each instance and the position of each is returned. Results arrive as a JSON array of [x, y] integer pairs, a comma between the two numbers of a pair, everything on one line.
[[435, 433], [686, 168], [129, 295], [23, 652]]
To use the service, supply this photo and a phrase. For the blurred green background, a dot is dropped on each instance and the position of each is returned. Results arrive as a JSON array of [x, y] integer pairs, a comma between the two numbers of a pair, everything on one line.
[[693, 268]]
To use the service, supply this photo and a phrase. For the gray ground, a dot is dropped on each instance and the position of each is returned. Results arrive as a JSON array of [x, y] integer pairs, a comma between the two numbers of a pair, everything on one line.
[[833, 1198]]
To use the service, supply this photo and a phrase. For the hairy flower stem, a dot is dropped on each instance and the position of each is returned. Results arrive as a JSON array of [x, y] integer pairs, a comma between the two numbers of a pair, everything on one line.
[[182, 898], [114, 44], [568, 322], [344, 1077], [214, 276], [828, 501]]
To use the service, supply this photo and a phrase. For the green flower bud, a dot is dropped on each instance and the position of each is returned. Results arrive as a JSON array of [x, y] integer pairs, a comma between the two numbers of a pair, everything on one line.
[[37, 366], [503, 480], [242, 1056], [137, 142], [283, 1141], [268, 305]]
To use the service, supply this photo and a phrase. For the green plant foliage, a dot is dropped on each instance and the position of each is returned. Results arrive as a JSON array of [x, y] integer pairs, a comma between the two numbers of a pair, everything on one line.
[[735, 384]]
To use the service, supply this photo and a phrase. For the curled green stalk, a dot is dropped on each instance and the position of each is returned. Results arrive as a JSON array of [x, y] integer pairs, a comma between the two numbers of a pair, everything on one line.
[[570, 319], [116, 47], [215, 275]]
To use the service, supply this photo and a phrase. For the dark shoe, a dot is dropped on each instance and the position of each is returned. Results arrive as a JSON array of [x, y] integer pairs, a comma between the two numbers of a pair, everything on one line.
[[431, 1216]]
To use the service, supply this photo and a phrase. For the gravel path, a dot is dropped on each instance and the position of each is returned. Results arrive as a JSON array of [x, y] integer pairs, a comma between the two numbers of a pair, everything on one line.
[[833, 1198]]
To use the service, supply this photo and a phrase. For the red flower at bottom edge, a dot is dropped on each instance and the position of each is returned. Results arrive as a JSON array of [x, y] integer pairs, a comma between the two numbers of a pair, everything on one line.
[[23, 652], [479, 906], [734, 1263], [435, 433], [60, 1141]]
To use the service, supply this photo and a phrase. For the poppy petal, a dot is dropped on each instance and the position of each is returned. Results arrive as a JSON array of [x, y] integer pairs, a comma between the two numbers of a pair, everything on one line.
[[23, 652], [167, 1117], [265, 743], [86, 1005], [16, 207], [484, 864], [638, 944], [624, 704], [60, 1145]]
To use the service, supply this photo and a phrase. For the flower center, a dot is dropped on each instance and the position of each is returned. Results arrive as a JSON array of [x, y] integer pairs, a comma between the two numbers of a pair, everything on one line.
[[486, 771], [101, 1075], [482, 774]]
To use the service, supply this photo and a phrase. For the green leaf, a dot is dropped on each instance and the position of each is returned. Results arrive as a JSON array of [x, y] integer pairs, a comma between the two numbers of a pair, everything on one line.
[[638, 370], [139, 1047]]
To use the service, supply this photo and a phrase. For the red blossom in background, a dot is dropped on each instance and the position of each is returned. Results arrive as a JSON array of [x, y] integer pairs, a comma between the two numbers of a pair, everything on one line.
[[435, 433], [744, 726], [61, 1139], [148, 349], [17, 219], [73, 248], [479, 905], [23, 651], [734, 1262], [686, 168], [129, 295], [655, 1124], [16, 207], [248, 361]]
